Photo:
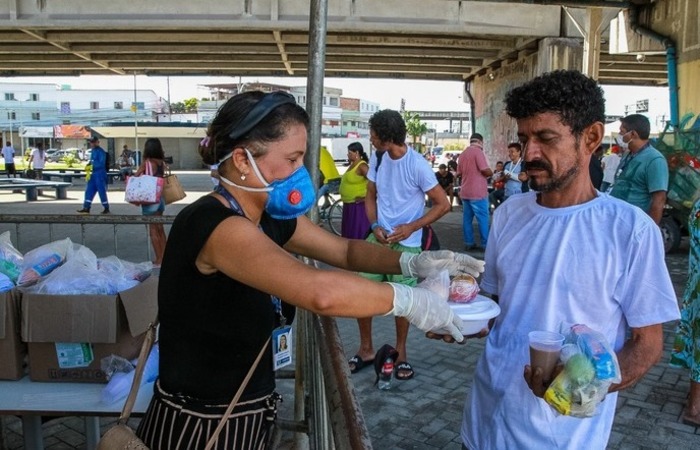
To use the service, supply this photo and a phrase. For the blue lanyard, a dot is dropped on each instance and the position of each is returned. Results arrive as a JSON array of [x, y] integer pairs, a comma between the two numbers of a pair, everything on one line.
[[231, 201], [236, 207]]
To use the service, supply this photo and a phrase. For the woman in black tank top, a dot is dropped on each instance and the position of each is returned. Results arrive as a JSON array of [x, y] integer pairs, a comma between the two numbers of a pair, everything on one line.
[[228, 262]]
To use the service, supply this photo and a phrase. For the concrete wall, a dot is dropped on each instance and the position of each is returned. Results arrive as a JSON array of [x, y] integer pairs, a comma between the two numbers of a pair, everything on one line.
[[680, 20], [490, 91]]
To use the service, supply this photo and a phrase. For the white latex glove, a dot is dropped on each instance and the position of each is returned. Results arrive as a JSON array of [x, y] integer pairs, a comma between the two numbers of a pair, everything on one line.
[[425, 264], [426, 310]]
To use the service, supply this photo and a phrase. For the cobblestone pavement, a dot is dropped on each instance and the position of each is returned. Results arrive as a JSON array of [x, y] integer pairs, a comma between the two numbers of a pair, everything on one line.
[[425, 412]]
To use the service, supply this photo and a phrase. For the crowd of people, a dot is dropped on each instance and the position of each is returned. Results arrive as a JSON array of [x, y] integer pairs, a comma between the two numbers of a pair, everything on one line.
[[535, 212], [554, 185]]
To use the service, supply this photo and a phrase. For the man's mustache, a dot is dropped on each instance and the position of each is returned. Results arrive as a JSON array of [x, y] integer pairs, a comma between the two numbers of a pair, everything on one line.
[[538, 165]]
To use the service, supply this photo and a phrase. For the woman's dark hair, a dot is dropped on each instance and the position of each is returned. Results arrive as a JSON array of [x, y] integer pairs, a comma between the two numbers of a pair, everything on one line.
[[388, 126], [233, 113], [357, 147], [153, 149], [577, 99]]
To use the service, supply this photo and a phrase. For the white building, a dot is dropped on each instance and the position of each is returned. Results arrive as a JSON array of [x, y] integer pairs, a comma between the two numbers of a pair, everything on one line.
[[29, 111]]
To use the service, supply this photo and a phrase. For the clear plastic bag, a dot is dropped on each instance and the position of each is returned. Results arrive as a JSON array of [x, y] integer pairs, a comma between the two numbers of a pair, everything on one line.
[[42, 261], [5, 283], [78, 275], [590, 367], [11, 259], [131, 273], [439, 283], [120, 382]]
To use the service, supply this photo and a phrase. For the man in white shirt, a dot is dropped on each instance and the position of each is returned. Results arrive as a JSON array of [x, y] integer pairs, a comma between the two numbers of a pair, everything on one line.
[[610, 164], [8, 152], [549, 269], [399, 180]]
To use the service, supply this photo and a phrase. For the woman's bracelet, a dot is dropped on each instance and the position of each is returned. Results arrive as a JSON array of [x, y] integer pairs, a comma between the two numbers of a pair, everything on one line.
[[374, 225]]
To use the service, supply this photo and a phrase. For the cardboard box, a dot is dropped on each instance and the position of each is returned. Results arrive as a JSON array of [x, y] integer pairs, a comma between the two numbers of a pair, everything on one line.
[[68, 335], [12, 349]]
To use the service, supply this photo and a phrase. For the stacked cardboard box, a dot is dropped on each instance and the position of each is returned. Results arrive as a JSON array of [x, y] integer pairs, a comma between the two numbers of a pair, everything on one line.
[[68, 335], [12, 349]]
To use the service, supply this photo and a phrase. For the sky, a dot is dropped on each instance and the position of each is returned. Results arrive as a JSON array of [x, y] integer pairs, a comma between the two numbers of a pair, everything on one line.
[[420, 95]]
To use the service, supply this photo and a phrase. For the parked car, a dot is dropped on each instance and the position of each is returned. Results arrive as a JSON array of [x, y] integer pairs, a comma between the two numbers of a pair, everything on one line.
[[61, 155], [453, 154]]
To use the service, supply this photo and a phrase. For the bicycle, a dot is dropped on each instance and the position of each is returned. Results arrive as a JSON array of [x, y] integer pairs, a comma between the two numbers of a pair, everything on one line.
[[330, 210]]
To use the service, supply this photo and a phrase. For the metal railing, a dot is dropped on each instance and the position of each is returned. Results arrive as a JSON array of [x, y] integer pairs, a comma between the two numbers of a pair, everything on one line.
[[327, 414]]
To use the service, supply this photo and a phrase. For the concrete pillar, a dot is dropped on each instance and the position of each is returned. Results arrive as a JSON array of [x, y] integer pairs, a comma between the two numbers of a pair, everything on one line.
[[591, 42], [559, 53]]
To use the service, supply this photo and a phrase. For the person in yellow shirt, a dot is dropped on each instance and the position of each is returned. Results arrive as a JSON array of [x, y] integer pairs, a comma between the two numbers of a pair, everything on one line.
[[353, 189], [331, 176]]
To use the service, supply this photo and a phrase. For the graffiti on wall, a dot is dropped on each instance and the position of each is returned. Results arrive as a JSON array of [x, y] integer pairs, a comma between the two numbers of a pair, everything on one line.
[[491, 119]]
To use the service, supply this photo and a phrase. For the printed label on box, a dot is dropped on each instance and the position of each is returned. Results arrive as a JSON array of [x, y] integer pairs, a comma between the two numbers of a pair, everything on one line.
[[72, 355]]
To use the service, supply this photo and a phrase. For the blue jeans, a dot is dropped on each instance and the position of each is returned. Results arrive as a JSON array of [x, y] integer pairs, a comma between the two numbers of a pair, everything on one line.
[[480, 209]]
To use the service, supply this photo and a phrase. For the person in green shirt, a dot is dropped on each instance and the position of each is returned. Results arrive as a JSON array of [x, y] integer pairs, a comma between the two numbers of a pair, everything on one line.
[[642, 178]]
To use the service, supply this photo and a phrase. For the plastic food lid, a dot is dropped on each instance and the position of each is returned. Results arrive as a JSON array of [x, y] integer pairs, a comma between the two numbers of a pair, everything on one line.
[[478, 309]]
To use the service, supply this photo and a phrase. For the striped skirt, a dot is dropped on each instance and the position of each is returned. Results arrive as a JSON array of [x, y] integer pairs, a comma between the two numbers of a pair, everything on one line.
[[174, 422]]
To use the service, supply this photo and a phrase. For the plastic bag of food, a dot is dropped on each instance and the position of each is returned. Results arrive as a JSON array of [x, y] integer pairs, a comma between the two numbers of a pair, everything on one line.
[[463, 289], [11, 259], [42, 260], [78, 275], [590, 367], [438, 283], [120, 382], [131, 273], [5, 283]]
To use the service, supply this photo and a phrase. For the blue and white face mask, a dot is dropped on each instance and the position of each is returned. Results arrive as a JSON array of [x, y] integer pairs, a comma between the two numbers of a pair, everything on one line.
[[287, 198]]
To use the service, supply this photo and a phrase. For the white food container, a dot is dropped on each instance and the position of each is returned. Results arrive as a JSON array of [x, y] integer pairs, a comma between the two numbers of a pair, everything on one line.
[[475, 314]]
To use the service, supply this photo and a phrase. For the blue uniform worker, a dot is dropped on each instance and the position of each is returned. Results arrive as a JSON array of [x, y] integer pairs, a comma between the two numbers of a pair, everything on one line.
[[98, 180]]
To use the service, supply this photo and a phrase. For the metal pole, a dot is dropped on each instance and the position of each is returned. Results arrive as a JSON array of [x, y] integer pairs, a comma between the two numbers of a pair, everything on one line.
[[135, 108], [170, 108], [318, 17], [321, 435], [12, 141]]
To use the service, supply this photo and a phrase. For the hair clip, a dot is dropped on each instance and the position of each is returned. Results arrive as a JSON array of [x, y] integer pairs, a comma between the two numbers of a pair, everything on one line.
[[204, 142]]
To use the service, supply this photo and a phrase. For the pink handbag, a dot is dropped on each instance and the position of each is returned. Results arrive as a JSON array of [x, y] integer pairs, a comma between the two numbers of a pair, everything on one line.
[[144, 189]]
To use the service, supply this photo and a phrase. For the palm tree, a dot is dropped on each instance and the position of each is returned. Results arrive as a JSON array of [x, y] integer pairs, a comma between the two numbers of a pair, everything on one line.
[[414, 127]]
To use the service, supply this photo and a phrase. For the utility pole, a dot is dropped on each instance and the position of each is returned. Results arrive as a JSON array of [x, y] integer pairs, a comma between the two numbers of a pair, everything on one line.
[[135, 109]]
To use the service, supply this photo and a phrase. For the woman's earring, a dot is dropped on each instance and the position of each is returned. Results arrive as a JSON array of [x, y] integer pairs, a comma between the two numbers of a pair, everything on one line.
[[242, 176]]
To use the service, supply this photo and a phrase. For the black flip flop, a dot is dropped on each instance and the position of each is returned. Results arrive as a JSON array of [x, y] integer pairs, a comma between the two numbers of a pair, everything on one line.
[[403, 367], [359, 363]]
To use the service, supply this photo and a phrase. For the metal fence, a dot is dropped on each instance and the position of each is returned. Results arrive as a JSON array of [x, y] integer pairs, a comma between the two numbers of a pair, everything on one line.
[[327, 414]]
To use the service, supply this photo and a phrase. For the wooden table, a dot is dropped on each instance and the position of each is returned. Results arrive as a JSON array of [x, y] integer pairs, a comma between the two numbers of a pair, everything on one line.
[[30, 400]]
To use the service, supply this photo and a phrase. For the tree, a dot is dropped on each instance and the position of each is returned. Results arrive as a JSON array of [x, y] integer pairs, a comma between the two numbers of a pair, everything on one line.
[[191, 104], [414, 127]]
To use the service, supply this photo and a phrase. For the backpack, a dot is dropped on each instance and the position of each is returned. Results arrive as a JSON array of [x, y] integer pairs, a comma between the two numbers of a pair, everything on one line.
[[429, 239]]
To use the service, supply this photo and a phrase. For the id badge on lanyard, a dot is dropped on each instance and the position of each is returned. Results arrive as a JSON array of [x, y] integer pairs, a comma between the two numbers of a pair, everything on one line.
[[281, 339]]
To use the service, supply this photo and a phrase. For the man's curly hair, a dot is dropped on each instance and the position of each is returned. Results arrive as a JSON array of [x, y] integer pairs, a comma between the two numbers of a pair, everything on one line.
[[576, 98], [389, 126]]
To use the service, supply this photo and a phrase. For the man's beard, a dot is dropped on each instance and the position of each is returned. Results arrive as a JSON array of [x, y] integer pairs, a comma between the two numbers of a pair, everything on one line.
[[552, 183]]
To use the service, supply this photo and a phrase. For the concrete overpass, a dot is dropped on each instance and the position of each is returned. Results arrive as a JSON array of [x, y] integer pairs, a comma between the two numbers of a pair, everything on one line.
[[400, 39], [491, 46]]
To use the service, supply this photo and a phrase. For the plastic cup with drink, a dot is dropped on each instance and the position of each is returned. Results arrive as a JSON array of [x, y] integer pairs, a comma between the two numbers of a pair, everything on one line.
[[545, 347]]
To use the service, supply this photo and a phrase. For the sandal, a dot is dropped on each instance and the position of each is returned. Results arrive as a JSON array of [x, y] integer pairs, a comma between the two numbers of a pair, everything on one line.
[[690, 419], [358, 363], [400, 372]]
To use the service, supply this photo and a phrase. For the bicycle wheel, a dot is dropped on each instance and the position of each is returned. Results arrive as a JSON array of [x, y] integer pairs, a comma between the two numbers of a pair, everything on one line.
[[335, 216]]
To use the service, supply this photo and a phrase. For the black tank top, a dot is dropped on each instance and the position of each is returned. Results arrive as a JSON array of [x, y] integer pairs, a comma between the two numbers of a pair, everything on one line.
[[211, 326]]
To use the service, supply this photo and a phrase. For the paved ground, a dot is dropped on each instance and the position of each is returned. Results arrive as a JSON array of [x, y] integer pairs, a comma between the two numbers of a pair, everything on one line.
[[423, 413]]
